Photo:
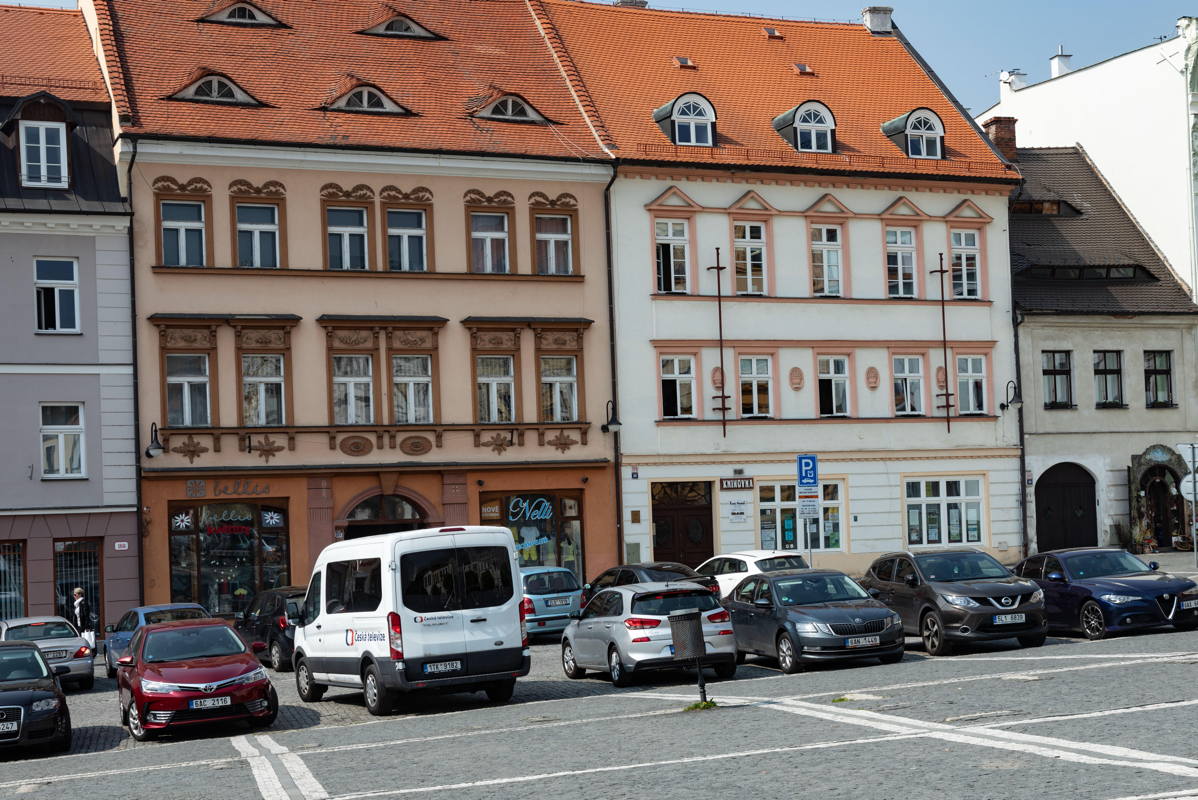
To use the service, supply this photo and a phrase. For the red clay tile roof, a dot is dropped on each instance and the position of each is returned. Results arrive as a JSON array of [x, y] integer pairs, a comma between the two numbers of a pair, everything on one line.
[[490, 47], [624, 60], [43, 49]]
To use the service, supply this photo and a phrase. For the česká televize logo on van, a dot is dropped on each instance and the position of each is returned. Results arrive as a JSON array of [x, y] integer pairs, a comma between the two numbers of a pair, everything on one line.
[[352, 636], [439, 619]]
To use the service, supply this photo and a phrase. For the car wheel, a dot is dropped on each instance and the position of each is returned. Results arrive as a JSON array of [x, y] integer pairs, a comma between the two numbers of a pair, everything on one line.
[[121, 710], [133, 718], [1034, 640], [1093, 623], [931, 630], [891, 658], [569, 664], [725, 671], [63, 734], [378, 698], [788, 654], [741, 655], [109, 670], [501, 691], [272, 704], [308, 690], [88, 683], [278, 661], [615, 667]]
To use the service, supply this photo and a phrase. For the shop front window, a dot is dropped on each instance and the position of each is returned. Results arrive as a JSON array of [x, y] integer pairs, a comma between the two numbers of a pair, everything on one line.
[[222, 554], [547, 526]]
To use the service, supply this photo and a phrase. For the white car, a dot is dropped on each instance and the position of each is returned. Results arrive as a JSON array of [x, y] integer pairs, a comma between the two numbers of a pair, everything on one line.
[[731, 568]]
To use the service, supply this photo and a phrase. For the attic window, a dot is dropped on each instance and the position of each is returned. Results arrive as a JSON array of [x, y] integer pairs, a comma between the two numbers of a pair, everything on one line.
[[367, 99], [216, 89], [804, 69], [242, 14], [1107, 273], [1047, 208], [685, 63], [924, 133], [772, 33], [814, 128], [401, 27], [511, 109], [694, 121]]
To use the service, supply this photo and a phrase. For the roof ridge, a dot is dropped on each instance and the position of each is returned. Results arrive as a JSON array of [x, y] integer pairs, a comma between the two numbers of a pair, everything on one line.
[[113, 59], [686, 12], [6, 9]]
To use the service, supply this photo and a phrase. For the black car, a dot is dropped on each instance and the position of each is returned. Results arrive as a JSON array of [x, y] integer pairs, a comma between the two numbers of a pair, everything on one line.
[[962, 594], [800, 615], [649, 572], [33, 709], [268, 619]]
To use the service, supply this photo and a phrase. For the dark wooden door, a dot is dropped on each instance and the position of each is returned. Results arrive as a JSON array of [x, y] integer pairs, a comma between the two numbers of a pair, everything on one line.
[[682, 525], [1065, 509]]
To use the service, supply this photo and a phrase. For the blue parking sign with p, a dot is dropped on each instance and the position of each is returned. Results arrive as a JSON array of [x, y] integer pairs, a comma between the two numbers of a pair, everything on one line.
[[808, 469]]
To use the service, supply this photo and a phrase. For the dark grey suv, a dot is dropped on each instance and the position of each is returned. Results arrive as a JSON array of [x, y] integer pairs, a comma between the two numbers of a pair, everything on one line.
[[962, 594]]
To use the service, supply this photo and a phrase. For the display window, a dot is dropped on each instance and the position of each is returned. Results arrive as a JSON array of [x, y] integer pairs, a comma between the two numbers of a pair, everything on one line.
[[547, 526]]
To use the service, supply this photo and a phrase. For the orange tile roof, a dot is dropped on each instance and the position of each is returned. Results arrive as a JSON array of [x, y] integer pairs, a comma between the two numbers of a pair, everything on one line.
[[44, 49], [625, 69], [489, 47]]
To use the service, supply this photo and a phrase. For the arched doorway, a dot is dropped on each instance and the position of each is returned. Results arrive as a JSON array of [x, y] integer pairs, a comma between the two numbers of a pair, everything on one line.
[[384, 513], [1066, 514], [1163, 506]]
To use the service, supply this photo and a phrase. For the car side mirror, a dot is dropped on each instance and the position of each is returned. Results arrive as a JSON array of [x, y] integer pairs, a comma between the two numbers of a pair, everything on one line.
[[258, 647], [109, 628], [125, 661], [762, 602], [1055, 577], [239, 616], [586, 587], [874, 593], [62, 669], [575, 615], [912, 581], [294, 621], [1154, 565]]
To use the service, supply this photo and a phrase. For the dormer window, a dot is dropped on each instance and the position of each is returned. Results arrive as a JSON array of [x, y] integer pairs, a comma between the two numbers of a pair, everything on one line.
[[694, 121], [814, 127], [43, 154], [402, 27], [369, 100], [216, 89], [510, 109], [242, 14], [924, 134]]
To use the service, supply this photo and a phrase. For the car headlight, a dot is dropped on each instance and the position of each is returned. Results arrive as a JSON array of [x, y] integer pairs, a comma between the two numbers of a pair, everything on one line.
[[812, 627], [1037, 596], [895, 619], [961, 601], [49, 704], [1118, 599], [155, 687], [252, 677]]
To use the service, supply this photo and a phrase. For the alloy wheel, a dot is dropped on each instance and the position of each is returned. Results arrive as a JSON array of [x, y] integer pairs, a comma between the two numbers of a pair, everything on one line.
[[1093, 624], [614, 666], [135, 721], [931, 633], [786, 654], [568, 659], [372, 690], [276, 657]]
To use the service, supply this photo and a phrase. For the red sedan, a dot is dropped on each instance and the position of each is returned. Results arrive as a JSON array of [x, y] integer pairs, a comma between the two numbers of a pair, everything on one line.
[[190, 672]]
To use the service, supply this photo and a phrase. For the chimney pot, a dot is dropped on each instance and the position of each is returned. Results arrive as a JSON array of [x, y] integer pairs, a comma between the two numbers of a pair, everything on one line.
[[1059, 63], [877, 19], [1001, 131], [632, 3]]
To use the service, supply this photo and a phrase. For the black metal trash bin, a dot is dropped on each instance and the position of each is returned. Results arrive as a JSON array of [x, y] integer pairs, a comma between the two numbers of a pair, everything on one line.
[[686, 628]]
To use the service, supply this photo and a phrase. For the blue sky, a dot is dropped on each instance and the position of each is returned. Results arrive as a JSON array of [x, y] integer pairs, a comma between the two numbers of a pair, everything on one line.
[[969, 42]]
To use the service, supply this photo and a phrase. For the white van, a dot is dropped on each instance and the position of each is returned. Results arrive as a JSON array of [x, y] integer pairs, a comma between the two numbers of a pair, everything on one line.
[[435, 609]]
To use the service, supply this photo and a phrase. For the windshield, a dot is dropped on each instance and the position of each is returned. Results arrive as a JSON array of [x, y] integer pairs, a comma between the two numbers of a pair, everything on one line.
[[21, 664], [662, 604], [778, 563], [1104, 562], [172, 614], [810, 589], [36, 631], [668, 572], [188, 643], [950, 567], [550, 583]]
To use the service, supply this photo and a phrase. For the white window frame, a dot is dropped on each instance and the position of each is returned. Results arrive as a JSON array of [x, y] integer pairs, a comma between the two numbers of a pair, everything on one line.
[[824, 248], [255, 229], [826, 371], [760, 373], [507, 108], [364, 95], [966, 261], [900, 257], [671, 371], [908, 384], [186, 382], [344, 232], [489, 415], [488, 268], [408, 387], [355, 386], [42, 149], [551, 238], [258, 16], [179, 228], [923, 494], [554, 384], [832, 509], [60, 433], [805, 122], [411, 31], [973, 375], [678, 243], [749, 256], [924, 129], [214, 84], [259, 384], [404, 235], [58, 288], [699, 116]]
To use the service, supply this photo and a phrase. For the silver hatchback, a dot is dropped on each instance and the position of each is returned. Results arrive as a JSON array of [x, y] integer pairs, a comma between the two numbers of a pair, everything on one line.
[[626, 629], [60, 643]]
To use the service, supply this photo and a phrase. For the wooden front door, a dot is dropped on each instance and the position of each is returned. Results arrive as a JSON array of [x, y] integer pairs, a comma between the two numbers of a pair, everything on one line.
[[682, 524], [1065, 509]]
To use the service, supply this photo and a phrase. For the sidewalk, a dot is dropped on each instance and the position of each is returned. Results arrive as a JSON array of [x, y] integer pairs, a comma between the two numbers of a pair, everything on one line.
[[1178, 563]]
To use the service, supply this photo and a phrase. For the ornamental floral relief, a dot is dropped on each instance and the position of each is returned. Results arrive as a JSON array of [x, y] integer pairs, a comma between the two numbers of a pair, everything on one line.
[[243, 188], [413, 340], [334, 191], [263, 337], [168, 185], [542, 200], [477, 197], [197, 338], [393, 194], [351, 339], [550, 339], [485, 339]]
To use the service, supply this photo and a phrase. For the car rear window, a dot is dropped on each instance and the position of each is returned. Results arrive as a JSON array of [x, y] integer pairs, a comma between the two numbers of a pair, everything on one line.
[[781, 562], [453, 580], [184, 644], [36, 631], [670, 573], [550, 583], [174, 614], [662, 604]]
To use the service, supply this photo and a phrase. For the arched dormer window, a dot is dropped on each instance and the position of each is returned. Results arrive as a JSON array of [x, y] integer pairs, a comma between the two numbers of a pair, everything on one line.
[[924, 135], [815, 128], [367, 99], [693, 122], [510, 108], [242, 14], [401, 27], [216, 89]]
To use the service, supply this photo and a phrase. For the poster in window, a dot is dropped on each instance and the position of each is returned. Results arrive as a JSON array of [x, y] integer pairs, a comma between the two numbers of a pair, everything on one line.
[[933, 524], [954, 523], [789, 541], [831, 528], [915, 524], [973, 522]]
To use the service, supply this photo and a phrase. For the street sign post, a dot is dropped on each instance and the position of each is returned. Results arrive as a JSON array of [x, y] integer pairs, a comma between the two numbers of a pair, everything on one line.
[[807, 468], [1189, 485]]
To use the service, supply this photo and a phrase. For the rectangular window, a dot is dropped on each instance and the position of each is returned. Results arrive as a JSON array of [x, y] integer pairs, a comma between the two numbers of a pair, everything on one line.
[[496, 388], [262, 390], [755, 386], [56, 283], [62, 441], [1158, 378], [778, 516], [488, 243], [44, 154], [677, 387], [1057, 367], [12, 580], [908, 386], [673, 256], [183, 233], [833, 386], [257, 235], [354, 587], [966, 282], [943, 511], [825, 260], [1108, 378], [559, 388], [900, 262], [187, 390], [749, 253], [971, 384], [554, 244], [353, 390], [407, 232], [348, 238], [412, 389]]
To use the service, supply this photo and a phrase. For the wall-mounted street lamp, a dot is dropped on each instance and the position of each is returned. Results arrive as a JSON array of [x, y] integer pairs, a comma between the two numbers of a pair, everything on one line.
[[154, 448], [613, 422], [1014, 398]]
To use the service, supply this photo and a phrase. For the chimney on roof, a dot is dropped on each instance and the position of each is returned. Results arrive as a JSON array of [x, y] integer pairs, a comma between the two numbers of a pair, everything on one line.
[[877, 19], [1010, 80], [1001, 131], [1059, 63], [632, 3]]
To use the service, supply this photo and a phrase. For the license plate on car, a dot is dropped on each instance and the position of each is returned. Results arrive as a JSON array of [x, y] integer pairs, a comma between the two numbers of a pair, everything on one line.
[[53, 654], [442, 666], [558, 601], [7, 727], [1189, 603], [863, 641], [1006, 619], [211, 702]]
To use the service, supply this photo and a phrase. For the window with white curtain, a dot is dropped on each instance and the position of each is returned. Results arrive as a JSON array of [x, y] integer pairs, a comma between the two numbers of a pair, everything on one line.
[[755, 386], [749, 256], [488, 243], [496, 388], [900, 262], [353, 390], [559, 388], [62, 440], [412, 389], [555, 244], [971, 384], [187, 390], [825, 260], [966, 280], [262, 389]]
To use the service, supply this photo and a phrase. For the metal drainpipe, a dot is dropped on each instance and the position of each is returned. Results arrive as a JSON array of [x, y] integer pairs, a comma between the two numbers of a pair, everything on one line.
[[1017, 320], [142, 535], [615, 374]]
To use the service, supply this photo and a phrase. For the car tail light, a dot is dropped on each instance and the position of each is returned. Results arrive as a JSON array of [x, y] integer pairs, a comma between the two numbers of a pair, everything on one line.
[[715, 588], [641, 639], [725, 632], [526, 608], [719, 616], [395, 636], [82, 652], [640, 623], [282, 622]]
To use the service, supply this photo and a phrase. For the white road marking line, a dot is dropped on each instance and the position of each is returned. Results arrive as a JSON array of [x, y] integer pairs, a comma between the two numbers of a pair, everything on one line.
[[77, 776], [269, 785], [1176, 794], [303, 778], [1071, 657], [1090, 714]]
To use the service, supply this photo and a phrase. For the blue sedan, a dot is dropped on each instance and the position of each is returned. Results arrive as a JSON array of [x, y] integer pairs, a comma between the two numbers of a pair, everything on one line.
[[1102, 590], [119, 635], [551, 594]]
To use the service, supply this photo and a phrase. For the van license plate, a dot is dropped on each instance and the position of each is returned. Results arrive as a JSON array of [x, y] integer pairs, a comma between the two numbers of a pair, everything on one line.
[[8, 727], [1006, 619], [54, 654], [1189, 603], [442, 666], [558, 601], [211, 702], [863, 641]]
